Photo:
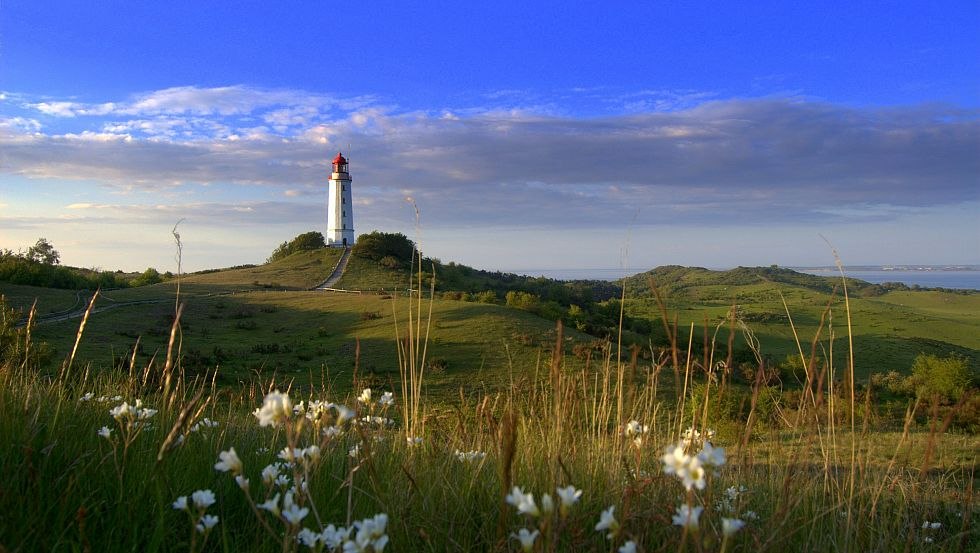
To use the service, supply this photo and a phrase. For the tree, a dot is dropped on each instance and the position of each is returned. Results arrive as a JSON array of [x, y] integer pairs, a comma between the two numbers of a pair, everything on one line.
[[307, 241], [43, 252], [378, 245], [149, 276]]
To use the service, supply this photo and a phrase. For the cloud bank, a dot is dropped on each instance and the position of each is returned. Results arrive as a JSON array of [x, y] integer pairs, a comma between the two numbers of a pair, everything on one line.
[[719, 162]]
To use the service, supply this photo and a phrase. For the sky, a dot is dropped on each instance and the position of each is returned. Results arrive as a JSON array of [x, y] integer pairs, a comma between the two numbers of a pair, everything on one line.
[[585, 139]]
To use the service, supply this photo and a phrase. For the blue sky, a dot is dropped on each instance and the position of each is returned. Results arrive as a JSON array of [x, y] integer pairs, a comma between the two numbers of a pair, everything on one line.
[[565, 135]]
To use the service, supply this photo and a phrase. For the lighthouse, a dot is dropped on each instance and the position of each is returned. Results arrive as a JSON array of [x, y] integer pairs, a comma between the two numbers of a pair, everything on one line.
[[340, 212]]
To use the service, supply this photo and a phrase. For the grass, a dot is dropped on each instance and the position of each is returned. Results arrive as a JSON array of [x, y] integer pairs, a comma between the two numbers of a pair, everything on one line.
[[890, 330], [831, 472], [66, 488]]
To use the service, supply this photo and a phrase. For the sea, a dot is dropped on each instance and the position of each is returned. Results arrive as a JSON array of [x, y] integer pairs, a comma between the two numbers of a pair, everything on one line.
[[936, 278]]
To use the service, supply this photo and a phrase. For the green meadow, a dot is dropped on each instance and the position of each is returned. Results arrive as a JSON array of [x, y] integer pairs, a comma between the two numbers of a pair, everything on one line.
[[670, 411]]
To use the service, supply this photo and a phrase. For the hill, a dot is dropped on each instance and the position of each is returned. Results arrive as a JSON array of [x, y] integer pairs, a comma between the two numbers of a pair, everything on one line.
[[892, 324], [264, 318]]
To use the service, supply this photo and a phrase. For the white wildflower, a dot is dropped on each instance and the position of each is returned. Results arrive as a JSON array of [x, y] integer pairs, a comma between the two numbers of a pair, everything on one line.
[[271, 505], [687, 516], [365, 396], [308, 538], [203, 498], [344, 414], [607, 521], [207, 522], [242, 482], [729, 526], [228, 461], [276, 407], [333, 537], [293, 513], [713, 456], [87, 397], [568, 496], [105, 432], [270, 473], [526, 538], [180, 504], [628, 547], [387, 399], [523, 502]]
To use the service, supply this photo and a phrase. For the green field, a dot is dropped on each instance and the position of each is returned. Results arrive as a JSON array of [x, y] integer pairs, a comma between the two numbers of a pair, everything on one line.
[[263, 319], [841, 469], [890, 328]]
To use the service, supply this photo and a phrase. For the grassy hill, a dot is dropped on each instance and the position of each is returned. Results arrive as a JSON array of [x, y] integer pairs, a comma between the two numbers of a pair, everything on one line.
[[264, 319], [891, 325]]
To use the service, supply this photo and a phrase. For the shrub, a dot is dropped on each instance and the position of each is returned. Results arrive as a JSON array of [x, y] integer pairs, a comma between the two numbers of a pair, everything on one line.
[[147, 277], [381, 245], [307, 241], [486, 296], [521, 300], [947, 377], [390, 262]]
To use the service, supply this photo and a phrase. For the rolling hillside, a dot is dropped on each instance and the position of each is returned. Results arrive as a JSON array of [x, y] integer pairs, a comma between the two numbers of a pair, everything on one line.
[[264, 319]]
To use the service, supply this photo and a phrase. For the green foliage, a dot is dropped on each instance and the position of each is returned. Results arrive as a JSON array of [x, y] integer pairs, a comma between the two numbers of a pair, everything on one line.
[[486, 296], [17, 269], [43, 252], [307, 241], [380, 245], [390, 262], [947, 377], [522, 300], [147, 277]]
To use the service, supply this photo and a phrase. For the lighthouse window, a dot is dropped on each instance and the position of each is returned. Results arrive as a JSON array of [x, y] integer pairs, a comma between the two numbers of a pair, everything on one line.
[[344, 213], [343, 200]]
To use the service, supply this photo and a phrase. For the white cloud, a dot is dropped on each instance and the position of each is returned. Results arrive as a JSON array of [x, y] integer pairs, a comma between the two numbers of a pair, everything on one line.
[[737, 161]]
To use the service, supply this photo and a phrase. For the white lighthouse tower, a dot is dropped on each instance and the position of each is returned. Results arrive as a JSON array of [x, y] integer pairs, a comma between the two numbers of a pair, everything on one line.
[[340, 212]]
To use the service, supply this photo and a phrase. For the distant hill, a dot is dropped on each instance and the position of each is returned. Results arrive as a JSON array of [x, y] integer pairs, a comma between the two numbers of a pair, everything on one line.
[[264, 318]]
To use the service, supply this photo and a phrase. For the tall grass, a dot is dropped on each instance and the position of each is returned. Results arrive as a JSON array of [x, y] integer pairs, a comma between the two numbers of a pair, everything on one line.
[[795, 485]]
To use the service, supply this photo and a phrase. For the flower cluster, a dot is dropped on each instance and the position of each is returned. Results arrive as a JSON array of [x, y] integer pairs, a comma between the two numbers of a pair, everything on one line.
[[362, 536], [693, 439], [276, 409], [200, 501], [470, 456], [124, 412], [526, 505], [635, 431], [690, 468], [89, 396], [204, 424]]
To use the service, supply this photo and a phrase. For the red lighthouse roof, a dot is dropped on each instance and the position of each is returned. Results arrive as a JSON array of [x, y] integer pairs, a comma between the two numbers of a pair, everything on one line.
[[339, 159]]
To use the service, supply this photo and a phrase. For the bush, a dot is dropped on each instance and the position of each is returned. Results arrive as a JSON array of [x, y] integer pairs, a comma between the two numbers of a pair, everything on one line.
[[147, 277], [380, 245], [521, 300], [486, 296], [947, 377], [308, 241], [390, 262]]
